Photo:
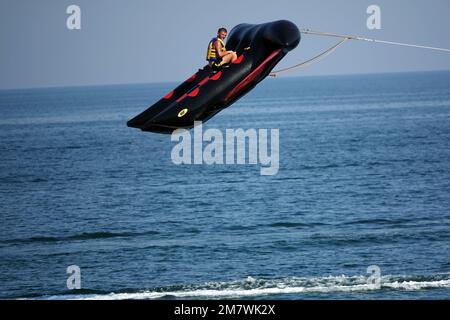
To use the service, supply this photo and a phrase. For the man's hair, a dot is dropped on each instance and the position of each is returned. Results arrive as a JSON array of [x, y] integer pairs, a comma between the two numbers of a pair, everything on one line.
[[222, 30]]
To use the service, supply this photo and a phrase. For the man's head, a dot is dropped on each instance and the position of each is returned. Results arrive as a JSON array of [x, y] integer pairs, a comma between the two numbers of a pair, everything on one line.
[[222, 33]]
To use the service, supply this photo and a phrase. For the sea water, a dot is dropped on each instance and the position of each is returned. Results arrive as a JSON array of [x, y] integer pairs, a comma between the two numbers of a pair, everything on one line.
[[363, 180]]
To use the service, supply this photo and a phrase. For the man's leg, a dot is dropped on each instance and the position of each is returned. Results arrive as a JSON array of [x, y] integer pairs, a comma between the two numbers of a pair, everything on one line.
[[226, 59], [229, 58], [234, 56]]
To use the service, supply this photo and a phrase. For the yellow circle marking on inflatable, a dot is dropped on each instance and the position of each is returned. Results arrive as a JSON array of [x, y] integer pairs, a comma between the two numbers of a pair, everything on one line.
[[182, 113]]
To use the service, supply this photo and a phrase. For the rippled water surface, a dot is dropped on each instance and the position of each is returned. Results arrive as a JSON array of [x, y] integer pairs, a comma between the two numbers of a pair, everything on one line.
[[364, 179]]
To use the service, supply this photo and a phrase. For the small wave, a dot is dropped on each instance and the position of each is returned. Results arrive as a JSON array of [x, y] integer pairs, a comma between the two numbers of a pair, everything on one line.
[[240, 227], [81, 236], [344, 239], [39, 180], [73, 147], [289, 178], [378, 221], [274, 225], [252, 287], [30, 240], [99, 235], [22, 179], [289, 224]]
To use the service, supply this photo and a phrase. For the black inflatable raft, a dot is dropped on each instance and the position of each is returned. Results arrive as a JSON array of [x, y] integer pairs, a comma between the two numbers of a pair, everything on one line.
[[259, 48]]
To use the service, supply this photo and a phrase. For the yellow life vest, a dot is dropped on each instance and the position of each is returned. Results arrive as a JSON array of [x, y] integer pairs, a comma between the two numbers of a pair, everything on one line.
[[212, 55]]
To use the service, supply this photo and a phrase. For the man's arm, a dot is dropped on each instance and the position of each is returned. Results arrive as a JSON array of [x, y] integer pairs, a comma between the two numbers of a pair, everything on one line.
[[219, 51]]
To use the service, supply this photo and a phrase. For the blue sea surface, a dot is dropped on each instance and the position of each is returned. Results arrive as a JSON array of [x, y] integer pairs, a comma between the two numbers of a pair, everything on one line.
[[364, 180]]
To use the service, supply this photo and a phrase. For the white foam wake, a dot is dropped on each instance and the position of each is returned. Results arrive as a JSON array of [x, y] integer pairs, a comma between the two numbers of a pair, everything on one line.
[[251, 287]]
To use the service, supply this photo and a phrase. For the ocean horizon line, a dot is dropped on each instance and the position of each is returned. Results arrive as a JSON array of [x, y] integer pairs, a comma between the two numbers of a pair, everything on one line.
[[179, 81]]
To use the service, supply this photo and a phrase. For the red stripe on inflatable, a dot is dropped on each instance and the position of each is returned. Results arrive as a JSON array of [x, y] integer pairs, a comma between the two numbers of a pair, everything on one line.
[[192, 78], [203, 81], [182, 97], [194, 92], [239, 60], [252, 75], [168, 96], [216, 76]]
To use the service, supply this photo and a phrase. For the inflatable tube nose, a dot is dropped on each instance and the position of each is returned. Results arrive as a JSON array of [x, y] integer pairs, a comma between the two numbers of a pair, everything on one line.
[[282, 34], [260, 47]]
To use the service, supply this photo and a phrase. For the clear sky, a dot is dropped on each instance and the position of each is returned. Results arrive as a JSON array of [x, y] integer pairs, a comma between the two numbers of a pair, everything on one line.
[[141, 41]]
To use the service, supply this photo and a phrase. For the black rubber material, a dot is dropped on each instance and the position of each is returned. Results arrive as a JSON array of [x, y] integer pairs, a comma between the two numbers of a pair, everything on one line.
[[207, 92]]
